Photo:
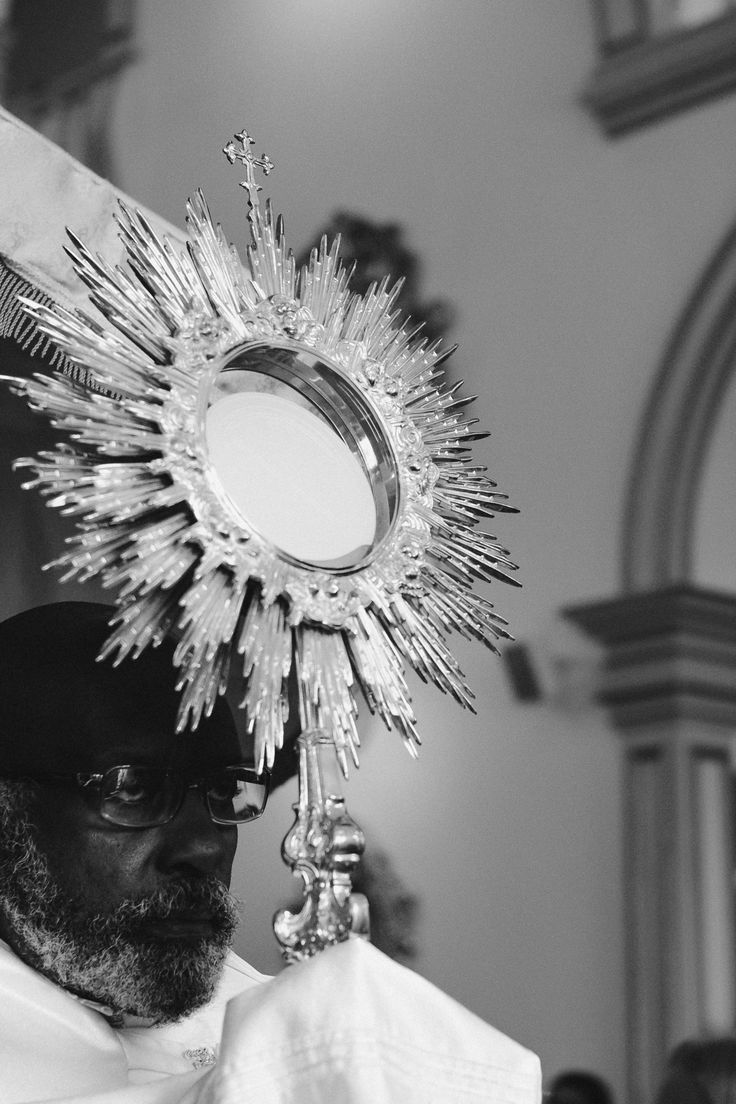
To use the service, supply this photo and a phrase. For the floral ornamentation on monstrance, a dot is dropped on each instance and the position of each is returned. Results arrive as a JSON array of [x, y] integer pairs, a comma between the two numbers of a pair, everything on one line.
[[274, 468]]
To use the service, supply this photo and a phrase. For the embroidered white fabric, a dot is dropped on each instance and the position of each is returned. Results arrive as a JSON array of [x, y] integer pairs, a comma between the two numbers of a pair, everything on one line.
[[348, 1027], [44, 191], [354, 1027]]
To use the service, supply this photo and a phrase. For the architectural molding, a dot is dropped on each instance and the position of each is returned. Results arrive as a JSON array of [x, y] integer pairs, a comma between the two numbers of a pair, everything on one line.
[[670, 655], [676, 428], [644, 79]]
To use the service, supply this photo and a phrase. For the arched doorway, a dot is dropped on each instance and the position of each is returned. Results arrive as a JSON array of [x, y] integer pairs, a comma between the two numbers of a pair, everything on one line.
[[670, 686]]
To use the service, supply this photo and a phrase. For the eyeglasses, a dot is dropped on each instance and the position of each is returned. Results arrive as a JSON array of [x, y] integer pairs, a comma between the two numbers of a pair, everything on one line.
[[134, 796]]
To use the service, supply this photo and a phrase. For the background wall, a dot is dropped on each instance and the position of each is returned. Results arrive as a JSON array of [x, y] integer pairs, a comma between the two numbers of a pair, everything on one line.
[[716, 508], [567, 257]]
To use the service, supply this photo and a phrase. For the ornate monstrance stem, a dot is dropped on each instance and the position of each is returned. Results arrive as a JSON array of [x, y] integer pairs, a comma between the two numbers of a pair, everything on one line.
[[323, 848]]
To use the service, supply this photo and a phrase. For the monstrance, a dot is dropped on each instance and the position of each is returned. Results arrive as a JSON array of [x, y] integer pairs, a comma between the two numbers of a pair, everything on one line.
[[276, 470]]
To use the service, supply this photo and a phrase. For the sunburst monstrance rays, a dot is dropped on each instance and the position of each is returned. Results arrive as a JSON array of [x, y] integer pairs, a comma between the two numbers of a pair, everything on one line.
[[155, 525]]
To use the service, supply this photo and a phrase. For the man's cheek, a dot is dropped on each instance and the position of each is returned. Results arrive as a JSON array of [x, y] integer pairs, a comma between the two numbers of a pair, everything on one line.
[[100, 876]]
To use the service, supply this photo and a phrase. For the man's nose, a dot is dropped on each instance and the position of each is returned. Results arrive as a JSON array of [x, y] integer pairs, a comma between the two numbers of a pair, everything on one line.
[[192, 843]]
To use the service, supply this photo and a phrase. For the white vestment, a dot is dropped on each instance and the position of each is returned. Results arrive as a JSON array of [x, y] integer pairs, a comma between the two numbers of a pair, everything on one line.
[[348, 1027]]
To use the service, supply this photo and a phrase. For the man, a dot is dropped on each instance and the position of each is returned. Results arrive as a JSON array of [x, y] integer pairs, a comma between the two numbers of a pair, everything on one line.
[[117, 838]]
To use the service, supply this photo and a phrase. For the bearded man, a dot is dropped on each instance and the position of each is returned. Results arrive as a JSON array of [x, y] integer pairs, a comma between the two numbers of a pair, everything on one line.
[[116, 847], [117, 985]]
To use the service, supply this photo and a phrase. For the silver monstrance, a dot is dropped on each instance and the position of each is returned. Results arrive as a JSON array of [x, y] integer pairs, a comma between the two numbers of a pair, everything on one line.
[[275, 469]]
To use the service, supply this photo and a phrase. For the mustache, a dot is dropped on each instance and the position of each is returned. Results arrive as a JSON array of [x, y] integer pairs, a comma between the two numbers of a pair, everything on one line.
[[205, 897]]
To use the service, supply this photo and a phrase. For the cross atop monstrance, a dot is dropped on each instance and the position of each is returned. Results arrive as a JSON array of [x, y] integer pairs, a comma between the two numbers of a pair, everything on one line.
[[244, 155]]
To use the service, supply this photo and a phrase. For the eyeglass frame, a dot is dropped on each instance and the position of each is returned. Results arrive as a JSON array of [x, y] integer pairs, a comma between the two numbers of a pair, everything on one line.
[[90, 782]]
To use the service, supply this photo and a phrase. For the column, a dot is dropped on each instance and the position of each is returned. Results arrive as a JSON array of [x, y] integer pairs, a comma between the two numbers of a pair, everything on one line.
[[670, 685]]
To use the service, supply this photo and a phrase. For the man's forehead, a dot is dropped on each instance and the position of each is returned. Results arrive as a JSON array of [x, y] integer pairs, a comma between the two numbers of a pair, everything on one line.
[[108, 738], [61, 709]]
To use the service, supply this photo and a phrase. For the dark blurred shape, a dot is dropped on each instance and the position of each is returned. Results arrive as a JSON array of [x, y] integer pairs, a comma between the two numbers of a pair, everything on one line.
[[393, 909], [59, 65], [700, 1071], [520, 668], [379, 250], [579, 1087]]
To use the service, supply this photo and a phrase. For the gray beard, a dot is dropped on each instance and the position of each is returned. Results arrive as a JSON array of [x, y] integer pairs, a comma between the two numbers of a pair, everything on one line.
[[108, 957]]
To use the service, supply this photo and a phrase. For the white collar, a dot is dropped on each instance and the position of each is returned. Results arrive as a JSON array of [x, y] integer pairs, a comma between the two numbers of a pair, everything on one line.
[[116, 1019]]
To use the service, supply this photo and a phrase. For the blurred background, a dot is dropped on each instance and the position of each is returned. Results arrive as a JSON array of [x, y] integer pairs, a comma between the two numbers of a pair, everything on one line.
[[560, 178]]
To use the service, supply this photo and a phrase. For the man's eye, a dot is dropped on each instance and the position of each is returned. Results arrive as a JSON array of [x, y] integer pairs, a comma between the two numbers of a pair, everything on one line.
[[129, 789], [130, 793]]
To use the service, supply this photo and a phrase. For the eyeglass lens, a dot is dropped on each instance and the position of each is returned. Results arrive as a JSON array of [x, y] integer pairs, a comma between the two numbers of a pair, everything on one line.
[[145, 796]]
